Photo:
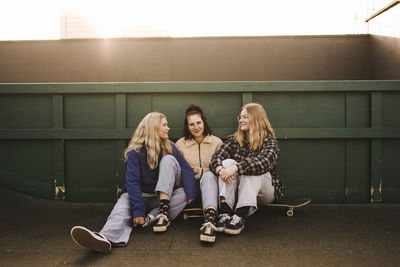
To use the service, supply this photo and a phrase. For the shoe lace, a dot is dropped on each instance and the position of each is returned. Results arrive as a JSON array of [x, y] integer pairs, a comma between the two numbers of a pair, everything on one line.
[[235, 219], [208, 226], [161, 218], [223, 217], [147, 222]]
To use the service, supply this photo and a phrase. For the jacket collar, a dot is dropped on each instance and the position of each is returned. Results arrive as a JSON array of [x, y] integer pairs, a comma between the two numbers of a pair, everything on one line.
[[191, 142]]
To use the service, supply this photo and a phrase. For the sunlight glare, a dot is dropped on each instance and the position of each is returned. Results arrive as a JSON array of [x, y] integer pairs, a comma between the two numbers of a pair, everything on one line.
[[54, 19], [29, 20]]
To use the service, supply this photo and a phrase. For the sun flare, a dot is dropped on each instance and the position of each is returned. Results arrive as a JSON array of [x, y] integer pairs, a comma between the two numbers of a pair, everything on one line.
[[64, 19]]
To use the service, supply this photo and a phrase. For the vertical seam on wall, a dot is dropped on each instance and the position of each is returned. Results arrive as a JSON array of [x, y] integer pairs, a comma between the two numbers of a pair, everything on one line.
[[347, 149], [376, 148], [121, 123], [58, 148], [247, 97]]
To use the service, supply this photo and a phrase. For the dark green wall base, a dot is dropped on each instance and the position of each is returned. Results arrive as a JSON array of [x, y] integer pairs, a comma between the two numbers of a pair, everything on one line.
[[340, 140]]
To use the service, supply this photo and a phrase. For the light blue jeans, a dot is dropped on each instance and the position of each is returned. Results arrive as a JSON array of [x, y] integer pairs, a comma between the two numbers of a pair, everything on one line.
[[249, 189], [209, 190], [118, 227]]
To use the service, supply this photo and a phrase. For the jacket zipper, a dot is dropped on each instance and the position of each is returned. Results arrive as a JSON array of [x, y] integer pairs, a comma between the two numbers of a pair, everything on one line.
[[200, 162]]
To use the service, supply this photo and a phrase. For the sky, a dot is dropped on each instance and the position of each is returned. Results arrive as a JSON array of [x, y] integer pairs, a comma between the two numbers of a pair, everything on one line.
[[55, 19]]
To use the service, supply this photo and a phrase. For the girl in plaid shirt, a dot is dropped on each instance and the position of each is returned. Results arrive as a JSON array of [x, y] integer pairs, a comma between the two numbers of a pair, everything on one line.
[[246, 166]]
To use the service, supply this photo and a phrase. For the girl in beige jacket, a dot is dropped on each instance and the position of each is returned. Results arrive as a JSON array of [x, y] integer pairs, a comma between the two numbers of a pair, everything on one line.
[[198, 146]]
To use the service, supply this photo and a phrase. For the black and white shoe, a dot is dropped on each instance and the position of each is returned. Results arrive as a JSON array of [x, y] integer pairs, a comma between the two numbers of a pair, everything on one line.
[[162, 223], [88, 239], [235, 225], [148, 221], [207, 232], [222, 220]]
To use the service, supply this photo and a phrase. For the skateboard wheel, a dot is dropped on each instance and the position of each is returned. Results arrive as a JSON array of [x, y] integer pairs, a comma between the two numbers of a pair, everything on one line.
[[290, 213], [185, 216]]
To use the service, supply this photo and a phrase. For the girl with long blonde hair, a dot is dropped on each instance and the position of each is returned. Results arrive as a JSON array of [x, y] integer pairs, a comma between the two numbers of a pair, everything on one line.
[[246, 166], [159, 182], [147, 133], [258, 129]]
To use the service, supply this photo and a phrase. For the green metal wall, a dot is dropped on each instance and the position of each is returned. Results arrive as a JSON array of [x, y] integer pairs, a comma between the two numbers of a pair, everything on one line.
[[340, 140]]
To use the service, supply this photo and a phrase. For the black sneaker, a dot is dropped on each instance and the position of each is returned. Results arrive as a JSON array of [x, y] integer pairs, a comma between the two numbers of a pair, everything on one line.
[[222, 219], [207, 232], [86, 238], [235, 225], [162, 223]]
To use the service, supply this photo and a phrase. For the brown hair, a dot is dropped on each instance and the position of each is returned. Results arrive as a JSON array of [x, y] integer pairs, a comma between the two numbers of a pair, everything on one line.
[[192, 110]]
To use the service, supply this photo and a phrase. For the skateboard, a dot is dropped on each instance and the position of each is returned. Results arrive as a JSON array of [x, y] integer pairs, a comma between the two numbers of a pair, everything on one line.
[[192, 213], [290, 205]]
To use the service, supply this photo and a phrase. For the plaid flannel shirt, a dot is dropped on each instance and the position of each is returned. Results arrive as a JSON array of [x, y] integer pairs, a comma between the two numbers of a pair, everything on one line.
[[252, 162]]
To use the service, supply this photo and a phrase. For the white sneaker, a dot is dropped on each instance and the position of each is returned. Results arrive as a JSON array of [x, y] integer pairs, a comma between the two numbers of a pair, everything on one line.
[[162, 223], [88, 239], [207, 233]]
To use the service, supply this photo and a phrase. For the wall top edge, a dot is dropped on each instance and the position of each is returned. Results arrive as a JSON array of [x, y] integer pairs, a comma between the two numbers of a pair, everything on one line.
[[191, 38], [208, 82], [191, 87]]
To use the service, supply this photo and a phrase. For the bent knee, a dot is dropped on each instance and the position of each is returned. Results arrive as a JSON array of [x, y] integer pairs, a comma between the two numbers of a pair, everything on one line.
[[228, 163]]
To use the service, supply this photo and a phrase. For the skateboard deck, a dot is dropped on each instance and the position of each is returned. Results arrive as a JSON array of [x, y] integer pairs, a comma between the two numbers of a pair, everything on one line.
[[290, 205], [192, 213]]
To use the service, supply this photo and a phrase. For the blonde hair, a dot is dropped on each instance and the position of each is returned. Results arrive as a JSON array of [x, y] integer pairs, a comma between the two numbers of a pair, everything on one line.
[[147, 133], [259, 128]]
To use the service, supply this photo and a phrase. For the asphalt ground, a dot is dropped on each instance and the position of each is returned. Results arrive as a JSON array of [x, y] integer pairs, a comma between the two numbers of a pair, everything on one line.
[[36, 232]]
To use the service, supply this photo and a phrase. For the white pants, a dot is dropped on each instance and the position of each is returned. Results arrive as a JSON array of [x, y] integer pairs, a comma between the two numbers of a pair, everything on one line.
[[249, 189]]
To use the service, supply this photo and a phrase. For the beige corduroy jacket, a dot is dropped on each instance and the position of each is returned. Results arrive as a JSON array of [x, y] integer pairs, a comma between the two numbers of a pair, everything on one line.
[[199, 155]]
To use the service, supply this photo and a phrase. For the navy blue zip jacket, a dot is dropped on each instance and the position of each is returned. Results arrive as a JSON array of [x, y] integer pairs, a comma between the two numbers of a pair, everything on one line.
[[140, 178]]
